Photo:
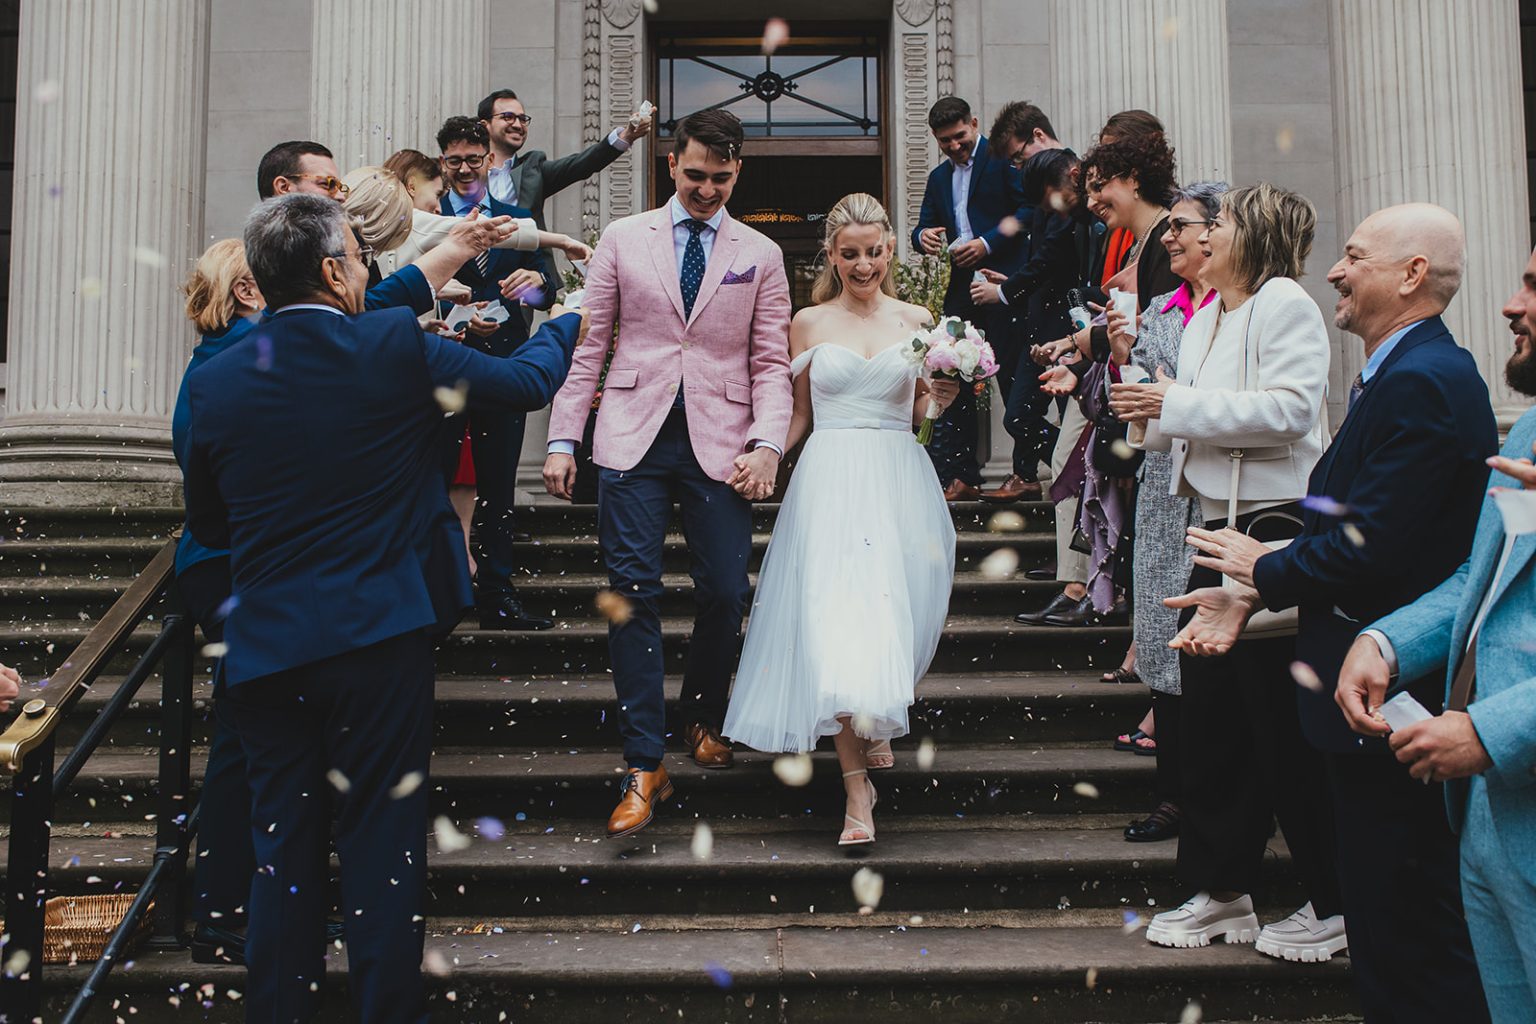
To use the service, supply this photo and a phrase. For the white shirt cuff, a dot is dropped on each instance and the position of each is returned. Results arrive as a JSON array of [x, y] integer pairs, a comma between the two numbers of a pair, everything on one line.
[[617, 141], [768, 444], [984, 244], [562, 447], [1000, 296], [1388, 652]]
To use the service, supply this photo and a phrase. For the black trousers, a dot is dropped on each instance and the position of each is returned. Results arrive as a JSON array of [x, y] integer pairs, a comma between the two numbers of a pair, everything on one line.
[[333, 740], [1025, 407], [1169, 730], [956, 433], [1246, 764], [1399, 867], [634, 509], [497, 444]]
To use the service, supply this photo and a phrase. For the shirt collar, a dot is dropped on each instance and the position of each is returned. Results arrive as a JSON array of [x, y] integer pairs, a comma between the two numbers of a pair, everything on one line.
[[292, 307], [462, 206], [1373, 364], [679, 214], [972, 161], [1183, 299]]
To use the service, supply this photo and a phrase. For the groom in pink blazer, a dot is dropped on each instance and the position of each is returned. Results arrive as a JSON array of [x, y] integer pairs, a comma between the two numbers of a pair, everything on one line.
[[695, 409]]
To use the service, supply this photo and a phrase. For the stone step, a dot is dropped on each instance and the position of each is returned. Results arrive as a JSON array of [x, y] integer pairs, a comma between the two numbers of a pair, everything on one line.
[[116, 784], [556, 868], [797, 975], [478, 710]]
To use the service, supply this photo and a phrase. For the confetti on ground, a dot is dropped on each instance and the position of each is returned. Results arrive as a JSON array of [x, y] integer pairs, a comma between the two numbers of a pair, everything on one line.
[[868, 887], [925, 754], [703, 845], [408, 784], [1086, 790], [1306, 676], [775, 34], [999, 565], [449, 838], [793, 769]]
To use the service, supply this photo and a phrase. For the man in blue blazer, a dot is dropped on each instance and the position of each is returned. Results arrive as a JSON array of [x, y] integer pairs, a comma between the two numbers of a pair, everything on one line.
[[347, 562], [1477, 628], [511, 278], [973, 206], [1394, 503]]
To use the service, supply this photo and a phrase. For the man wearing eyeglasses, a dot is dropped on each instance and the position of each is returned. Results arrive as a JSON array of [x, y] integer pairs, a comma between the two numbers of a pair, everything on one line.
[[527, 179]]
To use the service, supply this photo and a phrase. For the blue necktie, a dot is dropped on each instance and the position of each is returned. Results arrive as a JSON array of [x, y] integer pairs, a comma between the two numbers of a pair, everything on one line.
[[692, 273]]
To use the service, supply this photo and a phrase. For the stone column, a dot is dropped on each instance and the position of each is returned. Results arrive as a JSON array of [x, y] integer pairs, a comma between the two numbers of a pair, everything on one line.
[[387, 73], [1166, 56], [1421, 87], [110, 138]]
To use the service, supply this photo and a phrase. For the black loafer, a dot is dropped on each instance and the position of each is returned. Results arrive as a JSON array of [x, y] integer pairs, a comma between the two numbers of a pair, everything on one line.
[[212, 944], [1161, 824], [1060, 603], [1041, 573], [1077, 613]]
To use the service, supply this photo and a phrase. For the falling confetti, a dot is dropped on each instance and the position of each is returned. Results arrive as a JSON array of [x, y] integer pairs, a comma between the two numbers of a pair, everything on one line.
[[1170, 28], [650, 6], [1325, 506], [217, 650], [1086, 790], [1005, 522], [868, 887], [449, 838], [490, 828], [863, 723], [999, 565], [925, 753], [1134, 922], [1120, 450], [613, 606], [793, 769], [1192, 1013], [47, 90], [153, 258], [718, 974], [703, 845], [338, 781], [1009, 226], [1353, 533], [408, 784], [452, 400], [90, 287], [775, 35], [436, 964], [1285, 138], [1091, 979], [1306, 676]]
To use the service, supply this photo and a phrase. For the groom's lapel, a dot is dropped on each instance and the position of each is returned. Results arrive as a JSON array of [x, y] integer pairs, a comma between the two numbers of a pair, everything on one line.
[[665, 258], [720, 257]]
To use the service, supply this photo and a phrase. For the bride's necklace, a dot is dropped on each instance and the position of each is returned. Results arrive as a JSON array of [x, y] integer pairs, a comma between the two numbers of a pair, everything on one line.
[[862, 316]]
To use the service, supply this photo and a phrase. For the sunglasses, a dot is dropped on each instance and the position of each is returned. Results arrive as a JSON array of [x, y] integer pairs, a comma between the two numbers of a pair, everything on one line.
[[1178, 224], [329, 182]]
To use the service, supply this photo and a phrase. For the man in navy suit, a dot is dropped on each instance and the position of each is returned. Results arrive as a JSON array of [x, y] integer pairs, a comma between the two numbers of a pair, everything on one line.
[[347, 561], [1394, 507], [974, 206], [512, 278]]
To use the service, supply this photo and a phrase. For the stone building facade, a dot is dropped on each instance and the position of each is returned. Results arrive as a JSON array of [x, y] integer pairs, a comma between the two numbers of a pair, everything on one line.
[[138, 128]]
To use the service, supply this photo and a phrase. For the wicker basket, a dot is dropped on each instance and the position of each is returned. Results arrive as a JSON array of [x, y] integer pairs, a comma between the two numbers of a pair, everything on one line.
[[76, 929]]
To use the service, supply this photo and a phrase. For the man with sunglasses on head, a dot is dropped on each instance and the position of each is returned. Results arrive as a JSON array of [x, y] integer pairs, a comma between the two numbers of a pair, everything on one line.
[[526, 179]]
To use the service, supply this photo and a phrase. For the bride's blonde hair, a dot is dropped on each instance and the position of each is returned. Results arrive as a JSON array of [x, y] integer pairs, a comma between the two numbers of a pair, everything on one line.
[[858, 208]]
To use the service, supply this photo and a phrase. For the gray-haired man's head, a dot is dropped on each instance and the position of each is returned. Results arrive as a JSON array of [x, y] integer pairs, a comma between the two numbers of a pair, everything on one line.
[[304, 248]]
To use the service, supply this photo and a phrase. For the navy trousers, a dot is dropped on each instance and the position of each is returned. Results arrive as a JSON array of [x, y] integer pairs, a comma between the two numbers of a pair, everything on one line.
[[1399, 872], [497, 441], [955, 434], [334, 739], [221, 876], [634, 509], [1025, 408]]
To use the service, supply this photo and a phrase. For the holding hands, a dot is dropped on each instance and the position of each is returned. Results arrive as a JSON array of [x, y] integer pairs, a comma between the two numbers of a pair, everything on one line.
[[756, 473]]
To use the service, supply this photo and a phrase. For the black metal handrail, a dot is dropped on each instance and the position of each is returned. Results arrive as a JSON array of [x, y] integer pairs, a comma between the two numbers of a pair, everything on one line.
[[27, 752]]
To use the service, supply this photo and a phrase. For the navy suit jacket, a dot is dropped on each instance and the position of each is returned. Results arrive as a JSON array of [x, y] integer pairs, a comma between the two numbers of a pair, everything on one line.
[[503, 262], [997, 191], [1410, 461], [313, 452]]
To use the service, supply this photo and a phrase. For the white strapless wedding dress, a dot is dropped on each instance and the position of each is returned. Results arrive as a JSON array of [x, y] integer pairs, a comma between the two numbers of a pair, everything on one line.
[[854, 589]]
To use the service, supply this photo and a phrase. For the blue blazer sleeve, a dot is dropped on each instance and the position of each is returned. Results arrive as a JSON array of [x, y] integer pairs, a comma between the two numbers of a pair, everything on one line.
[[1000, 244], [406, 287], [931, 216], [207, 518], [525, 380]]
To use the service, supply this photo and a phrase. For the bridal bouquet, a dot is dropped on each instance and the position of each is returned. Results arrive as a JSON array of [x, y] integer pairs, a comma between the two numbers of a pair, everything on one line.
[[951, 348]]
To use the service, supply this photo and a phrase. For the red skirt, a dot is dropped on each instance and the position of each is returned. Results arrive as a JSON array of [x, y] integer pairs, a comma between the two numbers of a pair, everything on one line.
[[465, 477]]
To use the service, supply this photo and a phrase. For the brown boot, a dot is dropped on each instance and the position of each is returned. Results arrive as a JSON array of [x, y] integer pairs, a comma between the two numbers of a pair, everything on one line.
[[709, 750], [639, 794]]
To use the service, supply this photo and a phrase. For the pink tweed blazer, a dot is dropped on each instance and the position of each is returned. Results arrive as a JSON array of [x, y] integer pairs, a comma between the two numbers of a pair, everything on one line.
[[731, 356]]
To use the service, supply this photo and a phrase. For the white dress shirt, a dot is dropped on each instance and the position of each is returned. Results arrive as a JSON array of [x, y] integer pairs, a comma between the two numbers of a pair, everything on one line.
[[500, 182]]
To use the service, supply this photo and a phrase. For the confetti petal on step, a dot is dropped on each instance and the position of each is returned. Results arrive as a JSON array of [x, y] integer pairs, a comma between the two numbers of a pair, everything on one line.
[[338, 781], [1353, 533], [1086, 790], [793, 769], [408, 784], [868, 887], [925, 752], [449, 838], [215, 650], [614, 606], [775, 34], [1005, 522], [999, 565], [703, 845], [1306, 676]]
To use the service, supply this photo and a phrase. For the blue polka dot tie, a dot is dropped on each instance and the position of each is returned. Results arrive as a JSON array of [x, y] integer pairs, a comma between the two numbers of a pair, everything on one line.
[[692, 272]]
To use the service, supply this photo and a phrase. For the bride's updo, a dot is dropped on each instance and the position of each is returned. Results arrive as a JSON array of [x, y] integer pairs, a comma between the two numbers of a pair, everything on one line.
[[857, 208]]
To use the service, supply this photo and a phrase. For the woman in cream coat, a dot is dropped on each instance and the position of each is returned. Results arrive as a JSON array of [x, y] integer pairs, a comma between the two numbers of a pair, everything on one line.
[[1245, 427]]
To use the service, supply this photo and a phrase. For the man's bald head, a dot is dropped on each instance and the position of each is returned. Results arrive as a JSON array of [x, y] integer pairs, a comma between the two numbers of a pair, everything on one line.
[[1402, 264]]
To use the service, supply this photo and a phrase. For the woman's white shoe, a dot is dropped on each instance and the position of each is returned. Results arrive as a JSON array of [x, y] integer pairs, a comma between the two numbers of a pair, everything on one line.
[[861, 833], [1200, 919]]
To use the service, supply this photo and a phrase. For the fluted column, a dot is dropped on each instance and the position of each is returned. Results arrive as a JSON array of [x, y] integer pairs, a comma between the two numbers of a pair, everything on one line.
[[387, 73], [110, 137], [1166, 56], [1420, 88]]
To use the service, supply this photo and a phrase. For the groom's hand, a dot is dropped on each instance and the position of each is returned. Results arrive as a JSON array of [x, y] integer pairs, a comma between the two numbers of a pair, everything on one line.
[[756, 472], [560, 475]]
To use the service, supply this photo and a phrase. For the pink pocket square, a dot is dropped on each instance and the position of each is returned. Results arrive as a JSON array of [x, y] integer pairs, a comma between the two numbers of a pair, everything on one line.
[[745, 277]]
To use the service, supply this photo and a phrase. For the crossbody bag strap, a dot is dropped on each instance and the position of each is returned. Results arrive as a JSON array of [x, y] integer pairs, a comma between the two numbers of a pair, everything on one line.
[[1235, 455]]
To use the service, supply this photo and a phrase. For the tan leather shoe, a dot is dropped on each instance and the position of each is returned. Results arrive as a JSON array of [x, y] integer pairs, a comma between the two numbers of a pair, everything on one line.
[[709, 750], [1013, 489], [640, 792], [959, 490]]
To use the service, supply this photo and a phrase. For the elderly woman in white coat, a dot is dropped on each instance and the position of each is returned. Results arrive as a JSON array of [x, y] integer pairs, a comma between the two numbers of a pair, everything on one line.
[[1245, 426]]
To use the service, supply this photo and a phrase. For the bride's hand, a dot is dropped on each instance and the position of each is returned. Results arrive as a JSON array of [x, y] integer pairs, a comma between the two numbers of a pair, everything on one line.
[[943, 392]]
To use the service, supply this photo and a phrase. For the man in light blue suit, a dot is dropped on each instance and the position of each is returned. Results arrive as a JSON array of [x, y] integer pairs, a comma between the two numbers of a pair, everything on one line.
[[1479, 627]]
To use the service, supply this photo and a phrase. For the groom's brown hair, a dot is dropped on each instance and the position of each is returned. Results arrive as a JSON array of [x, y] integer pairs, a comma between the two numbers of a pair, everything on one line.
[[718, 131]]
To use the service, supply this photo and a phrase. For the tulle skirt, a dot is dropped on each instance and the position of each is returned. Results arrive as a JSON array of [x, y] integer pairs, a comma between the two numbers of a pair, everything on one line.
[[852, 596]]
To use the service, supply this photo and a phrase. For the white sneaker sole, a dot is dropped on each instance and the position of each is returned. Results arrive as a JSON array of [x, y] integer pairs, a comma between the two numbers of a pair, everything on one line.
[[1241, 929], [1308, 953]]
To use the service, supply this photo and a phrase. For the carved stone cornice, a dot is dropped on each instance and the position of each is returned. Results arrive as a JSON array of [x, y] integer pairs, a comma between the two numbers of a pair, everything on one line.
[[944, 47], [621, 13], [915, 12]]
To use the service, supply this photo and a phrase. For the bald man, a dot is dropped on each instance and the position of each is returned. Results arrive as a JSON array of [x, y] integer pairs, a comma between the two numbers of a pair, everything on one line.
[[1395, 501]]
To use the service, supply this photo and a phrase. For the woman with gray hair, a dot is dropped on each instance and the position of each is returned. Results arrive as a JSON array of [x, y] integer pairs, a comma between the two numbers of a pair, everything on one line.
[[1161, 560]]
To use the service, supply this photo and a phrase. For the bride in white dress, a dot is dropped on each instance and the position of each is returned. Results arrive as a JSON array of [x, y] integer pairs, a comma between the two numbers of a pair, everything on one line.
[[855, 585]]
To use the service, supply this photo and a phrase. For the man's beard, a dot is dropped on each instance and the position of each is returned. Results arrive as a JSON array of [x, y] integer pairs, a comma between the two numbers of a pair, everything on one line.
[[1520, 371]]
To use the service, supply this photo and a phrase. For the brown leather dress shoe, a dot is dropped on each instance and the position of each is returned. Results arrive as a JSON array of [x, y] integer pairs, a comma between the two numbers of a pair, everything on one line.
[[959, 490], [640, 792], [709, 750], [1014, 488]]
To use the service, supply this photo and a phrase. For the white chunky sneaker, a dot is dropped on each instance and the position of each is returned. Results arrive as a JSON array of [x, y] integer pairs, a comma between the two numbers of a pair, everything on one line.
[[1302, 938], [1200, 919]]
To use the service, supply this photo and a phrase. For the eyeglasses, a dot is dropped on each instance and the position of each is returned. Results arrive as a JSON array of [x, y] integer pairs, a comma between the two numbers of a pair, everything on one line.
[[365, 255], [329, 182], [455, 162], [507, 117], [1178, 224]]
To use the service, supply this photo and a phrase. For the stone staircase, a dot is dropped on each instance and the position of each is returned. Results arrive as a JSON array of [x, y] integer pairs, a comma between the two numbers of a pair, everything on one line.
[[1009, 893]]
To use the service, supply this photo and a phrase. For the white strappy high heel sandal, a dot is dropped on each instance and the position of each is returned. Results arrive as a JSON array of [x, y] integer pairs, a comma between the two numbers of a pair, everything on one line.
[[879, 757], [861, 833]]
